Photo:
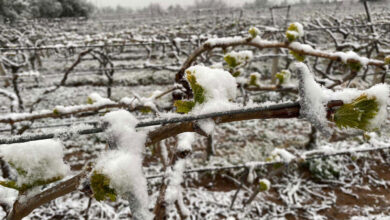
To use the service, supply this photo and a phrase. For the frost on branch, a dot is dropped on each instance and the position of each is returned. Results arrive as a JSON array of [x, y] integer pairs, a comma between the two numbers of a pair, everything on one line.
[[174, 192], [36, 162], [312, 99], [365, 109], [119, 171], [212, 90]]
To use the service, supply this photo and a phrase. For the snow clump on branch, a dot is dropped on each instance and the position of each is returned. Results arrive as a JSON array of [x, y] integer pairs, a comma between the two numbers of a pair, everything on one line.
[[361, 109], [36, 162], [123, 164]]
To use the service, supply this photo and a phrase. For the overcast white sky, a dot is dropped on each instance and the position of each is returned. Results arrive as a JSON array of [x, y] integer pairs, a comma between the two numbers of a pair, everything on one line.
[[164, 3]]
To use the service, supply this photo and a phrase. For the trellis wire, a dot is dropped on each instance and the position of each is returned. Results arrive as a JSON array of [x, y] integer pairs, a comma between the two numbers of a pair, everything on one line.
[[262, 164], [26, 138], [168, 43]]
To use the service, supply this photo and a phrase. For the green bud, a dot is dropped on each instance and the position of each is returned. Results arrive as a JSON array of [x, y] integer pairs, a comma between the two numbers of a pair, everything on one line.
[[355, 66], [283, 76], [264, 185], [90, 101], [387, 60], [253, 79], [231, 61], [294, 31], [254, 32], [56, 112]]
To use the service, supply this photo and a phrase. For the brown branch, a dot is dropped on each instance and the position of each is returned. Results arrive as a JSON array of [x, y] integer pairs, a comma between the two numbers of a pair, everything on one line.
[[55, 114], [15, 117], [260, 44], [22, 209]]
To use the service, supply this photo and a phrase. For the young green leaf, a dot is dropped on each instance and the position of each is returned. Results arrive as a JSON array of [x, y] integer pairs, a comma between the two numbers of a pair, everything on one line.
[[358, 113], [197, 90], [184, 106], [231, 61], [101, 189], [299, 57]]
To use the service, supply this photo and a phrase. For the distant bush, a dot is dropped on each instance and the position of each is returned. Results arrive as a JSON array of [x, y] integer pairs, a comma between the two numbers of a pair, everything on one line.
[[13, 9], [75, 8]]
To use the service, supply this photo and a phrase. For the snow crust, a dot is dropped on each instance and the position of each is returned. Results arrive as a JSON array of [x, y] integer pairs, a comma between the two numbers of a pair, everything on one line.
[[41, 160]]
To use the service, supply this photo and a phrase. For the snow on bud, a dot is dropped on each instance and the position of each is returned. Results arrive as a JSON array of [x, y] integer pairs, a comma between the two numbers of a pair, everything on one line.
[[283, 77], [387, 60], [254, 32], [294, 31], [264, 185], [234, 59], [36, 162]]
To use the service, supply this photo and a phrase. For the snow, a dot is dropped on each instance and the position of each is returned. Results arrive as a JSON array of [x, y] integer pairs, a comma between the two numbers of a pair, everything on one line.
[[98, 99], [313, 99], [254, 31], [299, 30], [266, 183], [219, 86], [185, 141], [241, 56], [121, 129], [123, 165], [304, 47], [125, 173], [175, 178], [350, 55], [207, 125], [11, 96], [8, 196], [282, 155], [41, 160], [227, 40]]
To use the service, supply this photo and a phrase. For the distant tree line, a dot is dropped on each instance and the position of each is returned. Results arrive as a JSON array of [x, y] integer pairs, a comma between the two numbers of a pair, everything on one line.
[[155, 9], [13, 9]]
